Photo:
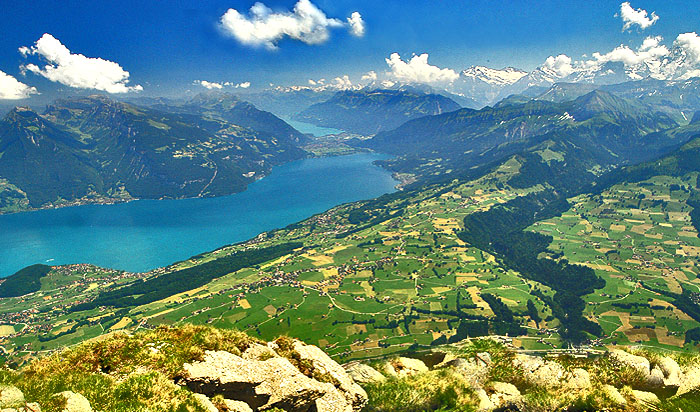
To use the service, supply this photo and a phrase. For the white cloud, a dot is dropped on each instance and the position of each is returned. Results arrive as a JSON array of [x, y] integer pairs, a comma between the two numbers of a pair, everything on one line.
[[640, 17], [209, 85], [417, 70], [342, 83], [357, 25], [76, 70], [559, 65], [649, 52], [690, 43], [218, 86], [13, 89], [306, 23], [370, 76]]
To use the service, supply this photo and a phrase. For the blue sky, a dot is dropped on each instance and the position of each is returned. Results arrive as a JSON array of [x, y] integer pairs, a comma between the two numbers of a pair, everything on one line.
[[166, 45]]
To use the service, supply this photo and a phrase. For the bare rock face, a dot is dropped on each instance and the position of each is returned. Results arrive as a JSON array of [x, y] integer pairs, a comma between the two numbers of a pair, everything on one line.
[[541, 372], [237, 406], [475, 370], [504, 394], [262, 379], [270, 383], [10, 397], [645, 398], [485, 403], [259, 352], [578, 379], [689, 381], [323, 364], [638, 363], [405, 367], [362, 373], [671, 371], [74, 402], [614, 395]]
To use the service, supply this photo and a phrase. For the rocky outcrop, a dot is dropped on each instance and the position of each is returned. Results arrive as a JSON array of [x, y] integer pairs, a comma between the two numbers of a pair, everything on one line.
[[362, 373], [261, 379], [664, 372], [689, 381], [325, 366], [10, 397], [503, 394], [475, 370], [73, 402], [401, 366]]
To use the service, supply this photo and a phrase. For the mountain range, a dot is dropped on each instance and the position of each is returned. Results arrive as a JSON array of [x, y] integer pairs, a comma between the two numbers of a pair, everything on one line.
[[94, 149], [371, 111], [604, 129]]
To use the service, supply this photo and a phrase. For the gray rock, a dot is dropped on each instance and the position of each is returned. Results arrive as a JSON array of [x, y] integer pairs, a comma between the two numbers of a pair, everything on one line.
[[485, 403], [10, 397], [577, 379], [504, 394], [264, 384], [541, 372], [689, 381], [638, 363], [655, 379], [259, 352], [74, 402], [614, 395], [475, 371], [353, 393], [406, 366], [237, 406], [362, 373], [672, 372], [645, 398]]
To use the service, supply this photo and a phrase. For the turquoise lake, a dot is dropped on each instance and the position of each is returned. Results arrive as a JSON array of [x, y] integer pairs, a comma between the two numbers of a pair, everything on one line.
[[146, 234], [312, 129]]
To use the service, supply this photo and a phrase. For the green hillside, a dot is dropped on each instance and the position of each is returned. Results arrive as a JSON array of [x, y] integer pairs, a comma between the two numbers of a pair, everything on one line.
[[94, 149]]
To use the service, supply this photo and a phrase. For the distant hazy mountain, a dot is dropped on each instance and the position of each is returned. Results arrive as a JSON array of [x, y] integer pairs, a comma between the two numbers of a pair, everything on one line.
[[679, 98], [97, 149], [372, 111], [287, 101], [605, 128], [230, 108]]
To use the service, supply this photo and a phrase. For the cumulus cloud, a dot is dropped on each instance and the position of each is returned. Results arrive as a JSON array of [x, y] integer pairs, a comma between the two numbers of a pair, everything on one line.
[[76, 70], [690, 43], [417, 70], [13, 89], [209, 85], [356, 24], [649, 52], [218, 86], [560, 65], [342, 82], [639, 17], [306, 23], [370, 76]]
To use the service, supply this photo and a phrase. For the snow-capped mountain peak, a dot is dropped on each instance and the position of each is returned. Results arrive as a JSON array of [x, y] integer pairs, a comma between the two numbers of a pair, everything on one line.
[[502, 77]]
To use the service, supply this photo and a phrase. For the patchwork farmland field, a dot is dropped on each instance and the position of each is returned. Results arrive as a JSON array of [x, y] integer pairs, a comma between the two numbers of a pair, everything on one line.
[[640, 239]]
